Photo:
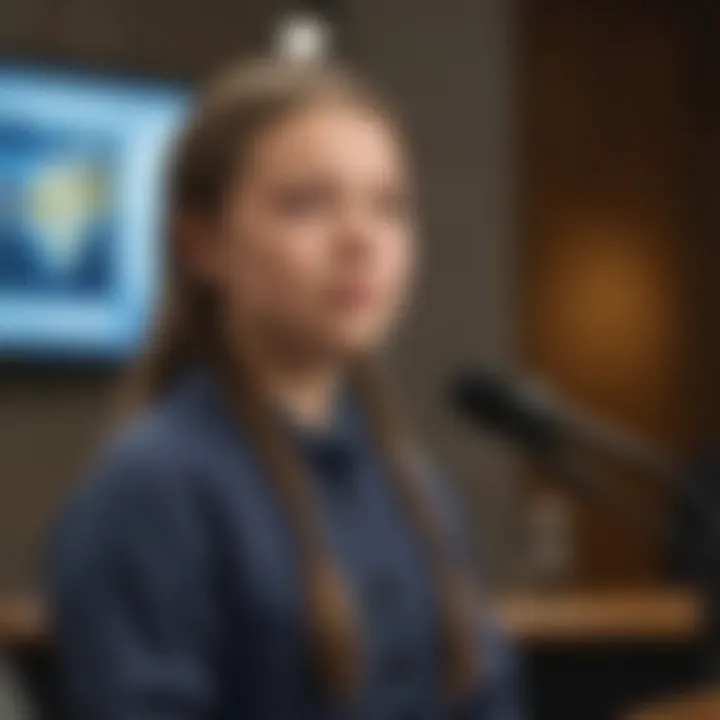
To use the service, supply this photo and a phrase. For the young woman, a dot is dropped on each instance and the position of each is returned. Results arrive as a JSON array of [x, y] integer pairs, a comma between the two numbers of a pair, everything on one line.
[[264, 541]]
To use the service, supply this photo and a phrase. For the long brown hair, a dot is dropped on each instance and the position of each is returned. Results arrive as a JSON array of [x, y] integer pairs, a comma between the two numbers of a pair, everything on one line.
[[234, 109]]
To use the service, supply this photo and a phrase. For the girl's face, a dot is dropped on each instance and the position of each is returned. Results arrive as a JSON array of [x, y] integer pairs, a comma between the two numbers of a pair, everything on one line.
[[316, 242]]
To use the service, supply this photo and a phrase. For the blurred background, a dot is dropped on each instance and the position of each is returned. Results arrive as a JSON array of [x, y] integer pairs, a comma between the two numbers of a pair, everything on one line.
[[569, 156]]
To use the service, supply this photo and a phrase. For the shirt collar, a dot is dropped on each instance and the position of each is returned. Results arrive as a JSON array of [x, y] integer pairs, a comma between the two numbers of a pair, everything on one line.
[[337, 444], [343, 440]]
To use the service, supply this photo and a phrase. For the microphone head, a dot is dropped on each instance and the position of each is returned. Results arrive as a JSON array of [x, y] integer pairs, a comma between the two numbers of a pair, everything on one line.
[[490, 400]]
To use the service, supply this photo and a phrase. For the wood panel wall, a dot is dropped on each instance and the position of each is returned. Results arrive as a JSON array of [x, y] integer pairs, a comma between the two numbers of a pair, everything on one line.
[[604, 299]]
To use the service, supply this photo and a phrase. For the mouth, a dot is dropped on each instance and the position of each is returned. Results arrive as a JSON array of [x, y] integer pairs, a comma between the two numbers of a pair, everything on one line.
[[353, 296]]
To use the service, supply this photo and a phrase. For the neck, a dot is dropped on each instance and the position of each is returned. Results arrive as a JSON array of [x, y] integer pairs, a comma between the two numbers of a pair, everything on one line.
[[302, 386], [305, 394]]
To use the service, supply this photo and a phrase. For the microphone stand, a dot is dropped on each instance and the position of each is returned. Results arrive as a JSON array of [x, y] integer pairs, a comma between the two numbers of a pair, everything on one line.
[[588, 483]]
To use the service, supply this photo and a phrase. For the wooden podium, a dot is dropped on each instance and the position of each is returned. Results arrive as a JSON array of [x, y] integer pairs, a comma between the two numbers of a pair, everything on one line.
[[671, 615], [543, 623], [701, 706]]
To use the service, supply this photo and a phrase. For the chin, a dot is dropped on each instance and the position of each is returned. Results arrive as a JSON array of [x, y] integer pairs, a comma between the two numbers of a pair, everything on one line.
[[356, 344]]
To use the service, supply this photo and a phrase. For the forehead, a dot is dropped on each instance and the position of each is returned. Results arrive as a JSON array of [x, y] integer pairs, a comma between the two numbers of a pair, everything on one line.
[[330, 136]]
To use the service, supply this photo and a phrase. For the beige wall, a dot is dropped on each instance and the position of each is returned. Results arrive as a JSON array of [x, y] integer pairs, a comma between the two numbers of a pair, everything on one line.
[[450, 65]]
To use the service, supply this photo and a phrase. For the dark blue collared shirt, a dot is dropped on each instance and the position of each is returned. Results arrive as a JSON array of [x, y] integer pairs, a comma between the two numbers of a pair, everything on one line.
[[174, 580]]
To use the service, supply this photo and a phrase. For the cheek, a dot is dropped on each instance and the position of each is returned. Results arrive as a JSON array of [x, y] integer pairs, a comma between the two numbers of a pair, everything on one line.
[[396, 269], [273, 273], [295, 266]]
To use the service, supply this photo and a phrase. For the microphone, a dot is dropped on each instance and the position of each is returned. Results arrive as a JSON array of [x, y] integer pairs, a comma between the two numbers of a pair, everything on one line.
[[526, 413]]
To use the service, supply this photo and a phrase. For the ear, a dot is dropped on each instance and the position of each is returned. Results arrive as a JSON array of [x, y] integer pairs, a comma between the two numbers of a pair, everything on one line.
[[197, 246]]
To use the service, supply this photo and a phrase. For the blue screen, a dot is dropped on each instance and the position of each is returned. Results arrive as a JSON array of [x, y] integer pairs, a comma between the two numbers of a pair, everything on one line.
[[82, 167]]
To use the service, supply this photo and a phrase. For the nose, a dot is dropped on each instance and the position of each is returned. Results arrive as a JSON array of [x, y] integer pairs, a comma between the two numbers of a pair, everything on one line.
[[357, 238]]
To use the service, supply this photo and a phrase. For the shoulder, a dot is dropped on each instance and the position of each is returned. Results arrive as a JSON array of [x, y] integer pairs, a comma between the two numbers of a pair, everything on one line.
[[134, 515], [134, 528], [140, 484], [165, 448], [152, 453]]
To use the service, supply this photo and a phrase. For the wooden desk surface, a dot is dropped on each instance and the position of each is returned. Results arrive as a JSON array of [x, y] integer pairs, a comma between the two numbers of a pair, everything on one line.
[[560, 618], [662, 615], [22, 622], [699, 706]]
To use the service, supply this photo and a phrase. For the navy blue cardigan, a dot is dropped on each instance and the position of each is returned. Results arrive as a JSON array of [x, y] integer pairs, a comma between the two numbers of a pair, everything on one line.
[[174, 585]]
